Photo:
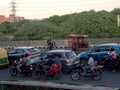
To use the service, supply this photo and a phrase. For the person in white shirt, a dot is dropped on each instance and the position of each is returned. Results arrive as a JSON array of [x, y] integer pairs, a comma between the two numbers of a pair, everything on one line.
[[113, 54], [89, 64]]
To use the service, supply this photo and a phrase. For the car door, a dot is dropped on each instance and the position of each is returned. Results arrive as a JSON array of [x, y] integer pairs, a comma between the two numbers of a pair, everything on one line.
[[45, 57], [11, 55], [100, 52], [15, 54]]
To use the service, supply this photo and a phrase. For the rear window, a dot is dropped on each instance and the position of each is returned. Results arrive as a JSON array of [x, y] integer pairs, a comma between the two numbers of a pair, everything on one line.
[[71, 54], [33, 50]]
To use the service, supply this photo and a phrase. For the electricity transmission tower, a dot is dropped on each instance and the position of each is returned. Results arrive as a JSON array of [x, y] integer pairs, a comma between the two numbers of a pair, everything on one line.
[[13, 9]]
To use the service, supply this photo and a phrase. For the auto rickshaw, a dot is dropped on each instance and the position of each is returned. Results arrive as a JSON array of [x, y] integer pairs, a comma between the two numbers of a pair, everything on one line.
[[77, 41], [3, 57]]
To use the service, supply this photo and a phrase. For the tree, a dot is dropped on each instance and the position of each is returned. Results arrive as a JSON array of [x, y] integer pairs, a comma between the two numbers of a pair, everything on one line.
[[34, 30], [6, 28]]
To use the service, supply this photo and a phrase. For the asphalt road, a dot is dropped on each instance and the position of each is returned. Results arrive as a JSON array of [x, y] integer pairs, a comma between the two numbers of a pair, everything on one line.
[[109, 79]]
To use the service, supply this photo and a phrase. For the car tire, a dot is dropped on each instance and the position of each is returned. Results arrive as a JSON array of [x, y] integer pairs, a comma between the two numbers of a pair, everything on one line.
[[37, 74]]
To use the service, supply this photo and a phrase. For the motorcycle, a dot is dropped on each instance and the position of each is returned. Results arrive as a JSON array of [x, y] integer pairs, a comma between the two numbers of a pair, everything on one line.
[[43, 69], [78, 71], [110, 64], [26, 70]]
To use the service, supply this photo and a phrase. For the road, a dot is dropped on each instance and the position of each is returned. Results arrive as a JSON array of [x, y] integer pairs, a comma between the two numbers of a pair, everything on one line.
[[108, 79]]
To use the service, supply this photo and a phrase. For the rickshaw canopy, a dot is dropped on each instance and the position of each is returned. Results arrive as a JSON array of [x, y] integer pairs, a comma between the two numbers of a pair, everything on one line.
[[77, 35]]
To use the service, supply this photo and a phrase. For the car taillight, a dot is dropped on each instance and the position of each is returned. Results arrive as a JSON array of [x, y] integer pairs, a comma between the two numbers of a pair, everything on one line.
[[69, 60], [29, 54]]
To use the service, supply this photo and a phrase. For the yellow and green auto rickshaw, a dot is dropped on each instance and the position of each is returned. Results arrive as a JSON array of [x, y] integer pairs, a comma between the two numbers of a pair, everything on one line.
[[3, 57]]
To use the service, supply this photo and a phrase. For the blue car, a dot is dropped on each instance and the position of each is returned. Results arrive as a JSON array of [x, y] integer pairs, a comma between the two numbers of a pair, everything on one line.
[[99, 51]]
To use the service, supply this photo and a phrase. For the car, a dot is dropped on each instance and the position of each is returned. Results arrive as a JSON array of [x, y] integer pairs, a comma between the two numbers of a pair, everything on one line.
[[18, 52], [99, 51], [67, 57]]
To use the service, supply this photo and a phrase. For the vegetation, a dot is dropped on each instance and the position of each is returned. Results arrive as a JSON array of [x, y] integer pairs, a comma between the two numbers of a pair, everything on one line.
[[101, 24]]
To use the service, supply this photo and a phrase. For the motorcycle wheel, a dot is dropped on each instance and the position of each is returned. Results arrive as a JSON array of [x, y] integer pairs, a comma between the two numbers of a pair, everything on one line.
[[98, 75], [37, 74], [13, 71], [75, 75]]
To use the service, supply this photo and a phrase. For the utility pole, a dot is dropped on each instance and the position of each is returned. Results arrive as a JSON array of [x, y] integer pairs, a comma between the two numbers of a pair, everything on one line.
[[118, 18], [13, 9]]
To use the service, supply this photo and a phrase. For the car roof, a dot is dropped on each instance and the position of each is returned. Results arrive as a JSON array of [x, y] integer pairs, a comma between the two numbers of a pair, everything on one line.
[[60, 51], [23, 47], [110, 44]]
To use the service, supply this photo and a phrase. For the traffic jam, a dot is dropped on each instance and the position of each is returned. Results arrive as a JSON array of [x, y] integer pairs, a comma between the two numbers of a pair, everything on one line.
[[55, 63]]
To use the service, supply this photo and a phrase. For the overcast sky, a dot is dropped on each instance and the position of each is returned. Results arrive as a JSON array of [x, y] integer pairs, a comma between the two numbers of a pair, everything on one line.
[[39, 9]]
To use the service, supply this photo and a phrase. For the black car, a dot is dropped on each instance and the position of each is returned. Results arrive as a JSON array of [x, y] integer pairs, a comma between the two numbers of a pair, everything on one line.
[[17, 53], [67, 57]]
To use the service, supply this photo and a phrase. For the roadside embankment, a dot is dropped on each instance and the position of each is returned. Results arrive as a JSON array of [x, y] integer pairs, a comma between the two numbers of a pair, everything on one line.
[[37, 85]]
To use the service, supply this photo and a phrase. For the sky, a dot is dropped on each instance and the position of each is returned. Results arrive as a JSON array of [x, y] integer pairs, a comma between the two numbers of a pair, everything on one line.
[[39, 9]]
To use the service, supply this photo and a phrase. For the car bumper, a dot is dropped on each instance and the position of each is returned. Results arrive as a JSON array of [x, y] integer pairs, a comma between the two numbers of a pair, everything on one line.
[[70, 66]]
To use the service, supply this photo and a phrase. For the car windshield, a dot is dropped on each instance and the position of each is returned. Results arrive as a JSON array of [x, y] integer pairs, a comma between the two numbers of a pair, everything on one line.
[[71, 54]]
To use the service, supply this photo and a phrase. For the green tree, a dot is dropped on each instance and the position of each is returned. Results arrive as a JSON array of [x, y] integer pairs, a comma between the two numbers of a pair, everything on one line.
[[6, 28], [34, 30]]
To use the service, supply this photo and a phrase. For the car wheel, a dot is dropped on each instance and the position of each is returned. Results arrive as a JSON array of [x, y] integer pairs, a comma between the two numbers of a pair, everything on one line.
[[37, 74]]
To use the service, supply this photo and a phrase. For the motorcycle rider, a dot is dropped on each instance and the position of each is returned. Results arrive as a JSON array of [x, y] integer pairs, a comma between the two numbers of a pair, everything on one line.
[[90, 63], [23, 62], [94, 66], [113, 55], [56, 66], [20, 62], [112, 58], [47, 65], [50, 44]]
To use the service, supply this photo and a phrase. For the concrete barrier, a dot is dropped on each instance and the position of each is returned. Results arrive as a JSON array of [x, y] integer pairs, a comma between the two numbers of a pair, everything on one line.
[[59, 44]]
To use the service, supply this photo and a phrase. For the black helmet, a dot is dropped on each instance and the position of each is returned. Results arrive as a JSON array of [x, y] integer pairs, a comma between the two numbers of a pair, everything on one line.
[[89, 55], [112, 49]]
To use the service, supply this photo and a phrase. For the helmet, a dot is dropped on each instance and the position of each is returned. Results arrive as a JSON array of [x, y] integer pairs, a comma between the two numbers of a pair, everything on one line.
[[89, 55], [112, 49]]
